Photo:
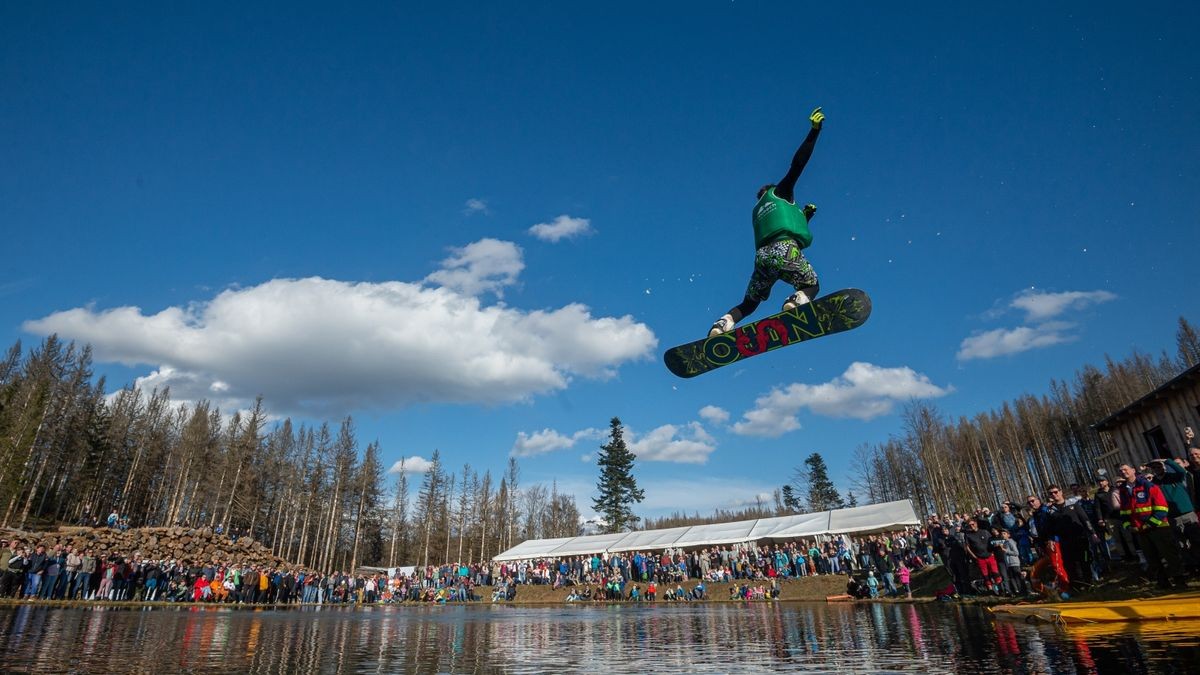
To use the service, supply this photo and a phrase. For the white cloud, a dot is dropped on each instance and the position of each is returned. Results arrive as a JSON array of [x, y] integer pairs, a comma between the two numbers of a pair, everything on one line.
[[414, 464], [562, 227], [1002, 341], [325, 347], [549, 440], [690, 444], [1041, 306], [484, 266], [714, 415], [474, 206], [862, 392], [1039, 331], [753, 500]]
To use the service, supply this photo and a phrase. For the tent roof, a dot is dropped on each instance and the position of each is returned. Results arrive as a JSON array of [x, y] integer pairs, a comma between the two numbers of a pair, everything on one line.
[[792, 527], [649, 540], [590, 544], [857, 520], [873, 518], [716, 534], [533, 548]]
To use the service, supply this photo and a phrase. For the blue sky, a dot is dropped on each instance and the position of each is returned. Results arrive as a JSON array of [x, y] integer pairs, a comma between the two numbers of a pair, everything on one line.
[[476, 228]]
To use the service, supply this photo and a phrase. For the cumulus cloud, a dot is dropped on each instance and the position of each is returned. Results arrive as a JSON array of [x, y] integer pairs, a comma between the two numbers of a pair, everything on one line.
[[689, 444], [1040, 306], [484, 266], [549, 440], [414, 464], [1002, 341], [325, 347], [862, 392], [474, 206], [562, 227], [1039, 331], [714, 415]]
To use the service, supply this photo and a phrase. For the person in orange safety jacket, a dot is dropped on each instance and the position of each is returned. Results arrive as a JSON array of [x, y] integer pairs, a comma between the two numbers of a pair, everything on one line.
[[1144, 510]]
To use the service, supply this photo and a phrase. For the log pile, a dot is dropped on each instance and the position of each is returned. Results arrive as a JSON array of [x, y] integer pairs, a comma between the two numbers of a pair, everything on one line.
[[194, 545]]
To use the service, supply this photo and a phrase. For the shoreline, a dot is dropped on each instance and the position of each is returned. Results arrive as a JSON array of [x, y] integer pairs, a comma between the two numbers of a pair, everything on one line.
[[820, 589]]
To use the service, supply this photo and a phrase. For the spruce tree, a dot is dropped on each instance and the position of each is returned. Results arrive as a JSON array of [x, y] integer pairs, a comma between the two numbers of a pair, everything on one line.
[[617, 487], [790, 500], [822, 495]]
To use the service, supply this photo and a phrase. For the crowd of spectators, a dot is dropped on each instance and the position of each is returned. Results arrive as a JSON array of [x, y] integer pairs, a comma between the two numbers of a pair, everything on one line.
[[877, 565], [1064, 540], [754, 572]]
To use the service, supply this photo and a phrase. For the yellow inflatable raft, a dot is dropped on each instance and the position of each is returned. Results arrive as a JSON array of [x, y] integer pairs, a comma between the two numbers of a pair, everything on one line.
[[1167, 607]]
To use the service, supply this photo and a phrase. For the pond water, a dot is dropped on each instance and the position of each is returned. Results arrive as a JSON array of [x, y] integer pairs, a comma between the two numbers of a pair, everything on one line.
[[766, 637]]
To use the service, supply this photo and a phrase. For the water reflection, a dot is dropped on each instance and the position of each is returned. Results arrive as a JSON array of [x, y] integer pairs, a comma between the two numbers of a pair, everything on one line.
[[760, 637]]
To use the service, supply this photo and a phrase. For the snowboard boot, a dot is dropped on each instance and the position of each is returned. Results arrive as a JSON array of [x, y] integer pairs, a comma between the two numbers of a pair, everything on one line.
[[722, 325], [795, 300]]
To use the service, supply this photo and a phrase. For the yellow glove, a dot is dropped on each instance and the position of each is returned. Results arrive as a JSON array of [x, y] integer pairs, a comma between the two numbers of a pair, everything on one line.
[[817, 117]]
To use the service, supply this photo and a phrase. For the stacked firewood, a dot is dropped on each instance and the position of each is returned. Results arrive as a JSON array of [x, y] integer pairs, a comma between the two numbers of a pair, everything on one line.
[[194, 545]]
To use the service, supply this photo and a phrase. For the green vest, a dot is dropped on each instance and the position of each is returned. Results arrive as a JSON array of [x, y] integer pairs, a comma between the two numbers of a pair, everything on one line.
[[776, 219]]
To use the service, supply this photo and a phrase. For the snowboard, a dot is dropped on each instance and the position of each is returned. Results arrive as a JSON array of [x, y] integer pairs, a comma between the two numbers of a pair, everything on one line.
[[834, 313]]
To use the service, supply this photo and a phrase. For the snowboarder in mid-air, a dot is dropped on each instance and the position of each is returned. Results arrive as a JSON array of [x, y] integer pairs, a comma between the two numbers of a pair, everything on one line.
[[780, 235]]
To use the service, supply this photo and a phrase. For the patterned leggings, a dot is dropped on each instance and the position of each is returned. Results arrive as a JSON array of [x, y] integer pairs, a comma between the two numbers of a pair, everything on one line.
[[779, 260]]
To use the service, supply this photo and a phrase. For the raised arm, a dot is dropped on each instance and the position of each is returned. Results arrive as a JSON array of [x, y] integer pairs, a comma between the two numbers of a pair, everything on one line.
[[787, 185]]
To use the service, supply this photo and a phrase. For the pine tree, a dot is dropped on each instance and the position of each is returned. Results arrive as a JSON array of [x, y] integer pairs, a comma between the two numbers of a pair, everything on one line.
[[790, 501], [368, 538], [429, 501], [399, 518], [617, 487], [851, 500], [822, 495]]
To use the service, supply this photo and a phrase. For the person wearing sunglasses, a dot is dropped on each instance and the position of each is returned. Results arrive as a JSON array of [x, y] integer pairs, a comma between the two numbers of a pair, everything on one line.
[[1073, 530]]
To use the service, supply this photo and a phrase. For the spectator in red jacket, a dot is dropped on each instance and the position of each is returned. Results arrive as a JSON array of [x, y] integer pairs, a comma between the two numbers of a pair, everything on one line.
[[1144, 510]]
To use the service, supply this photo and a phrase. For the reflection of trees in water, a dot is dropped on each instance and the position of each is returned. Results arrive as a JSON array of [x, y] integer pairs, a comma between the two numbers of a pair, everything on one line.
[[608, 639]]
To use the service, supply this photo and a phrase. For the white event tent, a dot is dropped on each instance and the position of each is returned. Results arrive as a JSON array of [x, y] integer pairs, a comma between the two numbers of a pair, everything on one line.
[[858, 520]]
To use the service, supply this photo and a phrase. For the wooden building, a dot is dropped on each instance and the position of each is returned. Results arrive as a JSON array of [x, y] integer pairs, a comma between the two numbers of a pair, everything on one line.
[[1153, 426]]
